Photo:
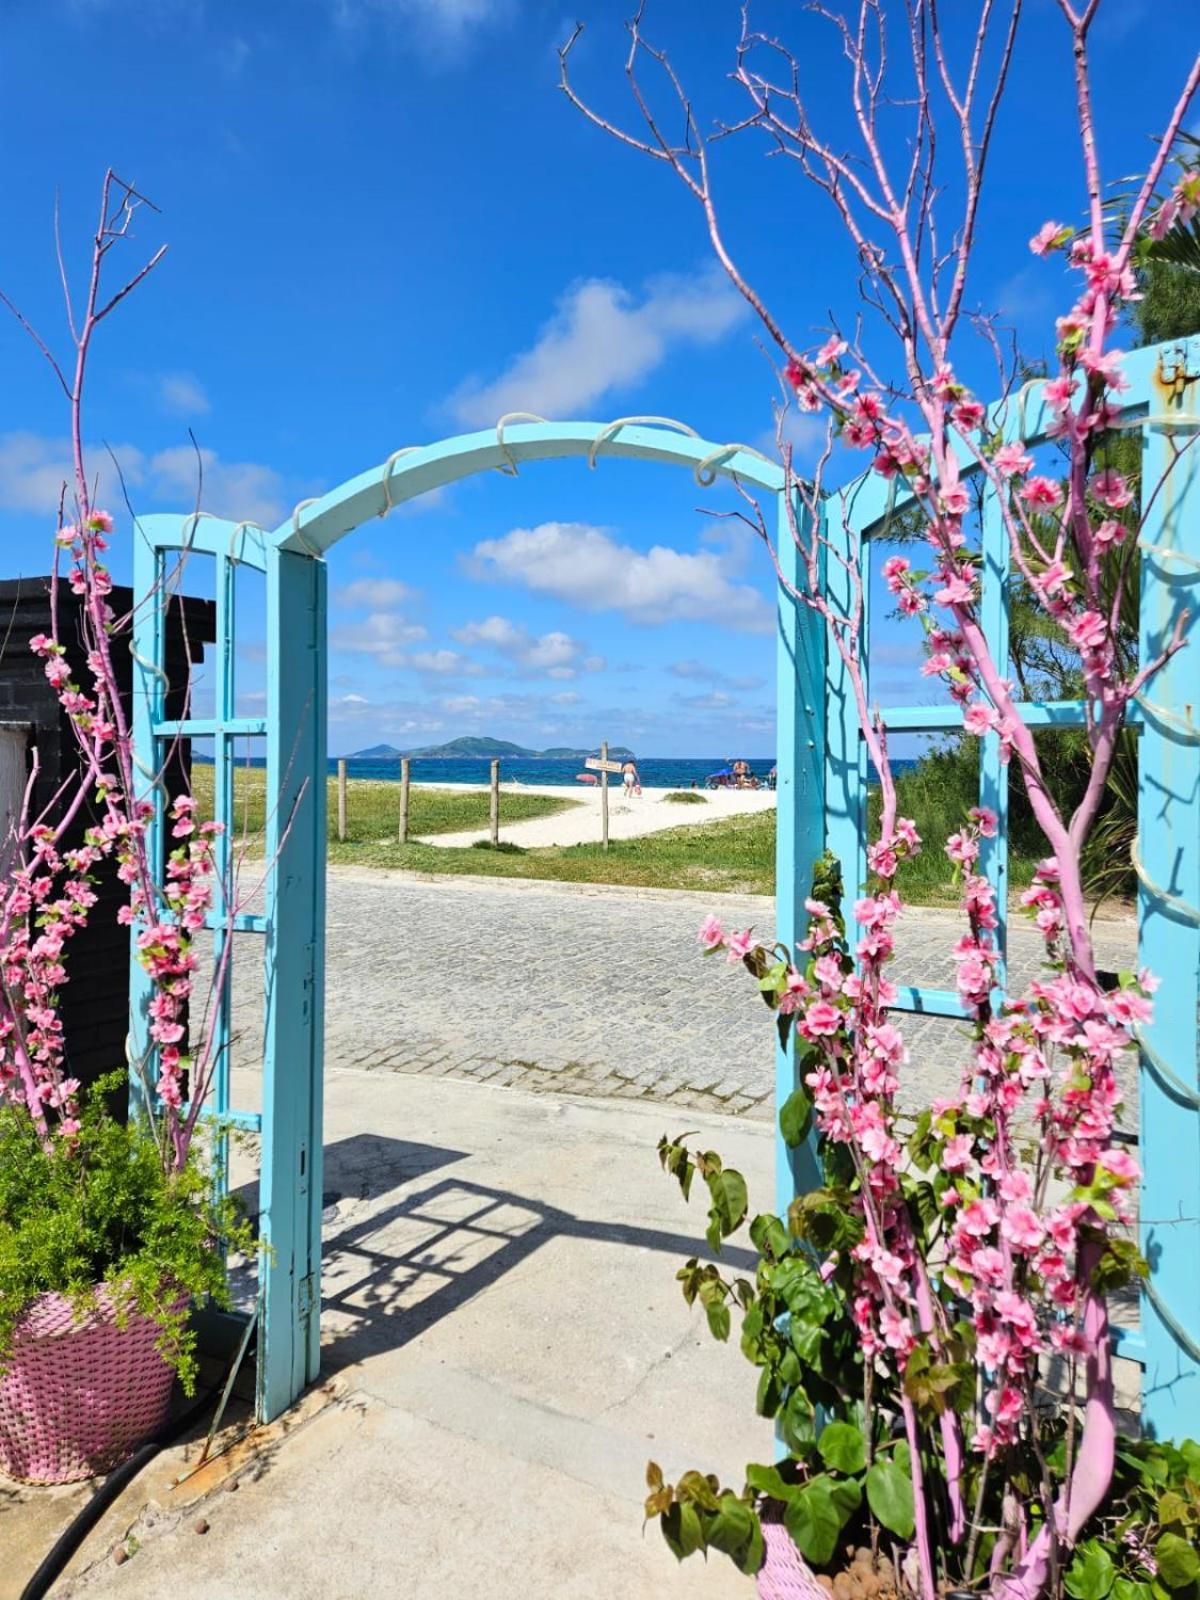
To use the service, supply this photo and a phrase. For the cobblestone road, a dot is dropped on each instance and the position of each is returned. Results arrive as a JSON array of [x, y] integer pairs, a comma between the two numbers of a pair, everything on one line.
[[585, 990]]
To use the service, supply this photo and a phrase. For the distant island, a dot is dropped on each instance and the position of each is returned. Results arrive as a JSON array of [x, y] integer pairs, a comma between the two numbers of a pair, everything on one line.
[[472, 749]]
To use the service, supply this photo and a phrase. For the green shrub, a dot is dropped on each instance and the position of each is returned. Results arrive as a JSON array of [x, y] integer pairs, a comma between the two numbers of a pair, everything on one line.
[[99, 1208]]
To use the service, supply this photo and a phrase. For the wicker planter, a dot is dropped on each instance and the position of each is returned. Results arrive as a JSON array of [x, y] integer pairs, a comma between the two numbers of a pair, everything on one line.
[[79, 1394], [785, 1575]]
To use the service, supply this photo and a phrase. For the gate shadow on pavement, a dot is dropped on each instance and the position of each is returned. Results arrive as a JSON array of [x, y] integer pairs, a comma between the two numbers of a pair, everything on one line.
[[391, 1274]]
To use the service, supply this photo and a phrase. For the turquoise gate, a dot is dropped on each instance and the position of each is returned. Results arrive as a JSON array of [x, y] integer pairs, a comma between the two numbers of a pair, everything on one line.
[[821, 800], [292, 921]]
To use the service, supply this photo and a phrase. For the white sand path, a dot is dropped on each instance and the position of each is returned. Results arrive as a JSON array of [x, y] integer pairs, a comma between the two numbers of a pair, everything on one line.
[[649, 812]]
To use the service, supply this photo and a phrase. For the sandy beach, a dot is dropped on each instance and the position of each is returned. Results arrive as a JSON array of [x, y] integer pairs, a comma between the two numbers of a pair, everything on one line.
[[649, 812]]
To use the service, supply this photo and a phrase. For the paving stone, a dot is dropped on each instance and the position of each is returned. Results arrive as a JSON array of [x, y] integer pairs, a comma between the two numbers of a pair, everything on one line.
[[596, 994]]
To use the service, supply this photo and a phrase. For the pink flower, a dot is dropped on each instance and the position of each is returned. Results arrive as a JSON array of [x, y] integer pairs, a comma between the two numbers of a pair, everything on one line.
[[1021, 1228], [1012, 461], [1111, 490], [100, 522], [741, 944], [978, 718], [1108, 533], [956, 1154], [956, 591], [978, 1217], [987, 819], [1050, 236], [894, 567], [1042, 491], [830, 351], [711, 935], [955, 499], [822, 1019], [1088, 631]]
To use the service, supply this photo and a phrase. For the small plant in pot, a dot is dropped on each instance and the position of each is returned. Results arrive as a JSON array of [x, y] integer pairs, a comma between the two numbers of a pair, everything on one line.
[[102, 1252]]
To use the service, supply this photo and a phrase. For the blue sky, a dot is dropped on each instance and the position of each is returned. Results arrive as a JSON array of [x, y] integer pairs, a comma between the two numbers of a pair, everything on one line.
[[386, 225]]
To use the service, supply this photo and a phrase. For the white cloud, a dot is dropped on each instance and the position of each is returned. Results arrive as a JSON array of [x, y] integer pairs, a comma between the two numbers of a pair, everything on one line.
[[550, 655], [445, 663], [33, 469], [383, 635], [600, 339], [182, 394], [376, 594], [244, 490], [715, 700], [586, 567]]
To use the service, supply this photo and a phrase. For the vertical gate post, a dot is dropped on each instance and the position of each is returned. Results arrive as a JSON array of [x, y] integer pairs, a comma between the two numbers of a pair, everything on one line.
[[294, 966], [800, 812], [1169, 902]]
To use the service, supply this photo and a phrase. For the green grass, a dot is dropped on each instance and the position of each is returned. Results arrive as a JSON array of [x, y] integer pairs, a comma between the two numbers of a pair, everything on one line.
[[734, 855], [373, 807], [685, 797]]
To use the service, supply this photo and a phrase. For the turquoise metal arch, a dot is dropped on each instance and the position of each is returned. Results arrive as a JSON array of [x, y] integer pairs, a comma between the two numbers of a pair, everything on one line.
[[294, 726]]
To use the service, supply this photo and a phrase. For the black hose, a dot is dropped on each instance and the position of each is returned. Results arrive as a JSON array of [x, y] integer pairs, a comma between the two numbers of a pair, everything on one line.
[[77, 1530]]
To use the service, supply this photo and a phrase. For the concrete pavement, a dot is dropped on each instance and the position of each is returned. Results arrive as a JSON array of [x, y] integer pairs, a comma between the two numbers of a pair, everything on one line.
[[510, 1346]]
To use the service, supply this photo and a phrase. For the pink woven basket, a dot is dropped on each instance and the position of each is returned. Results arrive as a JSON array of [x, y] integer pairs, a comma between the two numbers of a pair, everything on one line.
[[79, 1394], [785, 1575]]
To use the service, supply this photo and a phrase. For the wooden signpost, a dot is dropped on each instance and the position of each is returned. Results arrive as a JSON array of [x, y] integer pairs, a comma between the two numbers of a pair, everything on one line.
[[603, 766], [495, 806], [404, 799]]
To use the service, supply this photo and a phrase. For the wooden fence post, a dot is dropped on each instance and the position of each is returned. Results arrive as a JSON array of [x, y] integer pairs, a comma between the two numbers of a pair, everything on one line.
[[404, 800], [604, 796], [495, 802], [342, 800]]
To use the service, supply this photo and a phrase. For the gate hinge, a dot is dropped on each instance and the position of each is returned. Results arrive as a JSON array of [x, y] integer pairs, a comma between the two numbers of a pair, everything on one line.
[[1176, 368]]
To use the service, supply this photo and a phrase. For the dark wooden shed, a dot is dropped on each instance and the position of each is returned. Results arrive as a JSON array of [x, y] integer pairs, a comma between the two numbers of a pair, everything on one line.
[[95, 1002]]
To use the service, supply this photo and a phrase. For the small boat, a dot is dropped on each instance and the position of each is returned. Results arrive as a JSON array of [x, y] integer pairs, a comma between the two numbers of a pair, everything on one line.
[[586, 777]]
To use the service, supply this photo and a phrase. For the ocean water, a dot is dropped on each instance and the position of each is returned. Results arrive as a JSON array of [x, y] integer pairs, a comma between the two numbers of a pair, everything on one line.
[[656, 772]]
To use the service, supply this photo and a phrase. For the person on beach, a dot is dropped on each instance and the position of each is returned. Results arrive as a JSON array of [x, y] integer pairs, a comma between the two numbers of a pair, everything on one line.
[[630, 779]]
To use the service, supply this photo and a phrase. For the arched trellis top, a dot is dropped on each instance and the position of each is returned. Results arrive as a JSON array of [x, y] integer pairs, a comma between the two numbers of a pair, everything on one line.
[[316, 525]]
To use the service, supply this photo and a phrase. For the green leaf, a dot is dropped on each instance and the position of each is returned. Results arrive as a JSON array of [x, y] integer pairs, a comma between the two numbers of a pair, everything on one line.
[[1178, 1563], [770, 1481], [1126, 1589], [847, 1496], [730, 1199], [1172, 1507], [890, 1496], [718, 1318], [769, 1236], [795, 1116], [732, 1525], [814, 1522], [806, 1340], [1090, 1575], [843, 1448], [682, 1530]]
